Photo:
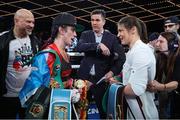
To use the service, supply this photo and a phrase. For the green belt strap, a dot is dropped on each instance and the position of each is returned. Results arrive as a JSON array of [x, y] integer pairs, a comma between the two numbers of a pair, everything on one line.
[[56, 66]]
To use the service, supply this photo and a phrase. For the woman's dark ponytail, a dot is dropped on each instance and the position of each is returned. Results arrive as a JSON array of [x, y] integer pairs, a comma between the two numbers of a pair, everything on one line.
[[54, 32]]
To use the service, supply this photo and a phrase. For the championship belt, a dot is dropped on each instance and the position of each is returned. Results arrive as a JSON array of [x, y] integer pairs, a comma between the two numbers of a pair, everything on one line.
[[115, 108], [60, 104], [38, 105]]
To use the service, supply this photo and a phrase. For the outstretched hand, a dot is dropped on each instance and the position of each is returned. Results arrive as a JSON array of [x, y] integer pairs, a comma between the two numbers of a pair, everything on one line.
[[153, 86], [109, 75]]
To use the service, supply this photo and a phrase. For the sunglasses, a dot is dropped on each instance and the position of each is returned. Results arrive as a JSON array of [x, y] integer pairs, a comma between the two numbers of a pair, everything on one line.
[[169, 26]]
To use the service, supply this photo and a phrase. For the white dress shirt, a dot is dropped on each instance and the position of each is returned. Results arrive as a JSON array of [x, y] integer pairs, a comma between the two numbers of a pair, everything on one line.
[[139, 68]]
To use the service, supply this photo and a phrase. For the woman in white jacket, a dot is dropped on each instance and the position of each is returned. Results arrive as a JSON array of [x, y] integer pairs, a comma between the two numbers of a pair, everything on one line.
[[138, 70]]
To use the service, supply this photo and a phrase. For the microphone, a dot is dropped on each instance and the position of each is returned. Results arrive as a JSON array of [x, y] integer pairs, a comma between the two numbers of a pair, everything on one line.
[[115, 56]]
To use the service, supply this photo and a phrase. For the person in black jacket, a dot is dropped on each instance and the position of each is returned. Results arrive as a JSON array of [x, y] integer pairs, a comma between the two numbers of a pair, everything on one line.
[[104, 56], [17, 47]]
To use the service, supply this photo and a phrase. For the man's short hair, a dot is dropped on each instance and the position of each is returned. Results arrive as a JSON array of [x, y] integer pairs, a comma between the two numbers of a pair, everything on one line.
[[172, 19], [99, 11]]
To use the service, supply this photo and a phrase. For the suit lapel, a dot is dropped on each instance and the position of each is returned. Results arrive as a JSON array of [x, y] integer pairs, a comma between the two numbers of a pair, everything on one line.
[[92, 37], [104, 37]]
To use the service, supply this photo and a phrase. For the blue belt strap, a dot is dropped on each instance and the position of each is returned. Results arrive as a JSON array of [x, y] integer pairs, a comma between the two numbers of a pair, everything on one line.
[[60, 104], [112, 100]]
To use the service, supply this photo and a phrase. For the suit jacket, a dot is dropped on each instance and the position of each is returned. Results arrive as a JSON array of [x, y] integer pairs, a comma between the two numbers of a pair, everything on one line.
[[103, 64]]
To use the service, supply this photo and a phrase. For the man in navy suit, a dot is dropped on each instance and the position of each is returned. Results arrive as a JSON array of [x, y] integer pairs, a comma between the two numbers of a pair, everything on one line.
[[104, 56]]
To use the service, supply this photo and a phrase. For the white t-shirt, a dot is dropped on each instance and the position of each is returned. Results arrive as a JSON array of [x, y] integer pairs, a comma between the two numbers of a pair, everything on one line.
[[19, 68], [139, 68]]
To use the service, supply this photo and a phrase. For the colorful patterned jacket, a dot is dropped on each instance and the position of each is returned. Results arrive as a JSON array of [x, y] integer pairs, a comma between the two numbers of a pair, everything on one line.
[[48, 69]]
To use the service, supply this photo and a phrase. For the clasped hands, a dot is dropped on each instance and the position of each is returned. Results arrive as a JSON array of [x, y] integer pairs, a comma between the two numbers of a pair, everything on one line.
[[105, 50], [153, 86]]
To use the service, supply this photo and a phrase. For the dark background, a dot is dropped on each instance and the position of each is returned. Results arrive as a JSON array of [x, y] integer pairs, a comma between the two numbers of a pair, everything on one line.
[[152, 12]]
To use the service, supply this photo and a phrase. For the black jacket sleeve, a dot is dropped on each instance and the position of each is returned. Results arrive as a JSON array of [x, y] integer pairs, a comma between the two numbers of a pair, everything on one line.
[[87, 42], [118, 58]]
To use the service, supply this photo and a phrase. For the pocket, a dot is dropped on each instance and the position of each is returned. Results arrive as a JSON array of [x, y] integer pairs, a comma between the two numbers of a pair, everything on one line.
[[126, 72]]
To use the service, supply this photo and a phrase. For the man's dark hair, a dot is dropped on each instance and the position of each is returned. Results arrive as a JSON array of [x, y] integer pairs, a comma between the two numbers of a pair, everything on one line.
[[99, 11]]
